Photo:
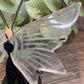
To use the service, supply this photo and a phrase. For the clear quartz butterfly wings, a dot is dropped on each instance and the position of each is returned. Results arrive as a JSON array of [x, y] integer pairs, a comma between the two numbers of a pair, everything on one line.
[[34, 43]]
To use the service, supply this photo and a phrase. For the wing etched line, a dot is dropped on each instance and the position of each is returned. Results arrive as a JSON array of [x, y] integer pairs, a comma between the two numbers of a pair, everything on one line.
[[26, 69], [37, 34], [42, 49], [27, 44], [40, 39], [35, 61], [40, 58], [30, 63], [42, 54]]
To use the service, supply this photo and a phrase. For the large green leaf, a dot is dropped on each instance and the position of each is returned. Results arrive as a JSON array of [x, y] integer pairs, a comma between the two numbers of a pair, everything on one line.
[[1, 22], [81, 12], [36, 8], [53, 5], [19, 20], [82, 1], [66, 2], [74, 1], [9, 5], [75, 28], [15, 28]]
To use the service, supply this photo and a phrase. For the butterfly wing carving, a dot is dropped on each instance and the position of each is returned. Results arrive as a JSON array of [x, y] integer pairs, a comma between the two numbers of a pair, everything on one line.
[[2, 50], [34, 43]]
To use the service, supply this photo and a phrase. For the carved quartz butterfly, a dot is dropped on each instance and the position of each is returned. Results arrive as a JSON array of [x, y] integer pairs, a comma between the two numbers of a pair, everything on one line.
[[34, 43]]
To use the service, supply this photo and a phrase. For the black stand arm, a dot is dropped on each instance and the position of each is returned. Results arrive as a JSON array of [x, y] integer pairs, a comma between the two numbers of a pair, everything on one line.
[[12, 73]]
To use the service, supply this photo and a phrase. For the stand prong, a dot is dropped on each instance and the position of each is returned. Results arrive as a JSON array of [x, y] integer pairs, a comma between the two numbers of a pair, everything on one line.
[[62, 4], [3, 18], [17, 11]]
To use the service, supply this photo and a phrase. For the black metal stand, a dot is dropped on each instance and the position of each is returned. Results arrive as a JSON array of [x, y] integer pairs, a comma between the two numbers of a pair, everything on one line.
[[13, 75], [5, 81], [16, 82]]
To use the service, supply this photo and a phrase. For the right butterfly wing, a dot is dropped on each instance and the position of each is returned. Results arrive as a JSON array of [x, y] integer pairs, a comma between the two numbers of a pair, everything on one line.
[[56, 25], [34, 47], [2, 50]]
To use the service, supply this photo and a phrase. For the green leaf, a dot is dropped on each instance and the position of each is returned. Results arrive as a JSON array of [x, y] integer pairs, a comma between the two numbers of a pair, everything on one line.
[[1, 22], [30, 19], [75, 28], [9, 5], [74, 1], [70, 3], [19, 20], [36, 8], [82, 1], [81, 12], [8, 21], [2, 27], [15, 28], [53, 5], [66, 2]]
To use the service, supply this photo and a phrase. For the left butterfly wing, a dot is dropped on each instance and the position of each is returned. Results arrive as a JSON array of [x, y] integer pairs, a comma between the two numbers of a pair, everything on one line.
[[32, 55], [2, 50], [34, 44]]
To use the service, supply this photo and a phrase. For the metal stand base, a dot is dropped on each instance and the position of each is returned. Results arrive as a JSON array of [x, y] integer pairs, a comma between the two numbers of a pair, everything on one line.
[[5, 81], [16, 82]]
